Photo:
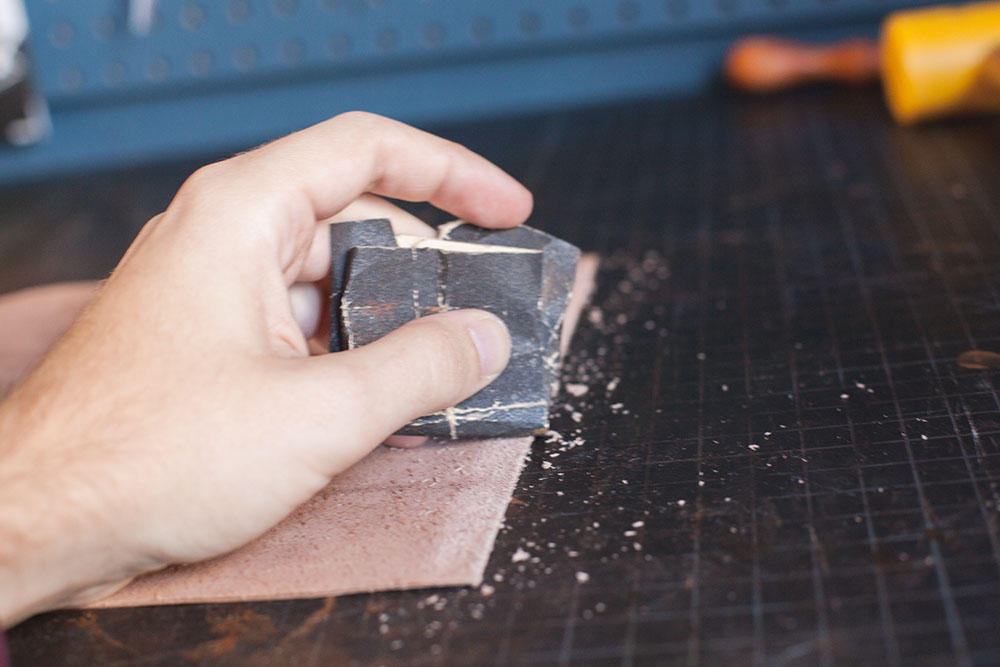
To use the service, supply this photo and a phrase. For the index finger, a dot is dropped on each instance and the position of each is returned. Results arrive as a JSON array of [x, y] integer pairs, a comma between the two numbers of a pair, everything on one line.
[[327, 166]]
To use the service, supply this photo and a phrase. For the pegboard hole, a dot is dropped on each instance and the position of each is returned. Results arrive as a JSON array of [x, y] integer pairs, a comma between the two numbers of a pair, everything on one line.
[[158, 68], [238, 11], [115, 73], [62, 34], [433, 35], [578, 17], [481, 29], [530, 23], [628, 13], [291, 51], [387, 40], [201, 62], [284, 8], [192, 16], [338, 47], [71, 79], [246, 58]]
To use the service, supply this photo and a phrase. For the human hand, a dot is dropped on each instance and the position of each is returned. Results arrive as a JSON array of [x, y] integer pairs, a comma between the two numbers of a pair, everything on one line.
[[181, 416]]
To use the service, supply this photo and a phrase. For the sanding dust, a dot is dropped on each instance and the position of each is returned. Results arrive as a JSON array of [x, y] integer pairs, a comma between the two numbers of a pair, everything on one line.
[[590, 408], [979, 360]]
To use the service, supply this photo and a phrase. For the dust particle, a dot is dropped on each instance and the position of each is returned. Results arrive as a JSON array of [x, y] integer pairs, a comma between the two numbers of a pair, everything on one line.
[[979, 360]]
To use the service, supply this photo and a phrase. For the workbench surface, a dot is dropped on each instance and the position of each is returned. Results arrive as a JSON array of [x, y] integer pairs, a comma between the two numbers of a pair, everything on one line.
[[768, 451]]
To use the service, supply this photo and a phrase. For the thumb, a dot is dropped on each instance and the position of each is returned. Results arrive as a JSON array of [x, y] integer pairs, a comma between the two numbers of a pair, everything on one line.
[[427, 365]]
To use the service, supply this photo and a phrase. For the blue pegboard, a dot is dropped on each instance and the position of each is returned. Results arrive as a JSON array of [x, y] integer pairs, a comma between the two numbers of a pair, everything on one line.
[[221, 75]]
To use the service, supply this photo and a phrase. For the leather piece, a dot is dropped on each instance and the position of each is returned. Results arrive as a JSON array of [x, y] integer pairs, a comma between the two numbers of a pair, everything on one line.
[[32, 320], [400, 518]]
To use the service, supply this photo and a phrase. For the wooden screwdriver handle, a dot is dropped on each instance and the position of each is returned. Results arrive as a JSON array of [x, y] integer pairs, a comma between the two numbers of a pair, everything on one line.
[[762, 64]]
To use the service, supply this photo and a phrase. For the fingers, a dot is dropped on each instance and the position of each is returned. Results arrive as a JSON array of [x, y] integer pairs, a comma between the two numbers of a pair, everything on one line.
[[306, 303], [368, 206], [307, 307], [241, 231], [283, 188], [391, 159], [425, 366], [365, 207]]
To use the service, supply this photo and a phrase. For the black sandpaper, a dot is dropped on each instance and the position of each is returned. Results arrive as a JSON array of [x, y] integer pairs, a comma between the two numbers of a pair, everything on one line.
[[385, 287], [559, 260]]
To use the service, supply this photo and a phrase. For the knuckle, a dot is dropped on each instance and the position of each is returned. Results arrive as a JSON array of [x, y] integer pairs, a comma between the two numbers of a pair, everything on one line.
[[203, 178], [361, 122], [202, 187]]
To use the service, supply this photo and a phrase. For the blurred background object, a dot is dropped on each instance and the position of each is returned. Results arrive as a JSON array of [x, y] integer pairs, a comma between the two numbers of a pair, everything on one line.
[[934, 62], [23, 117], [942, 61], [760, 64], [147, 80]]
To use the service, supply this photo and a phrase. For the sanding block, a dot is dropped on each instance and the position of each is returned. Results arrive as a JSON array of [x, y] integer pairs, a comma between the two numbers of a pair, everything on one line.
[[523, 275]]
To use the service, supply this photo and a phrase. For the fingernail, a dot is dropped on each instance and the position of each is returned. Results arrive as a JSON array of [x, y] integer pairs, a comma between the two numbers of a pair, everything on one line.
[[492, 342]]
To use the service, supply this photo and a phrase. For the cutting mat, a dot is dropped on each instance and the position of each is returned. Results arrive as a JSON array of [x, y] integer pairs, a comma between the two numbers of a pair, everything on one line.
[[769, 453]]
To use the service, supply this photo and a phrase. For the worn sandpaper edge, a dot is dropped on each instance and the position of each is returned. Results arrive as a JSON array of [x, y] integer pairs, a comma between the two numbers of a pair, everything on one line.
[[343, 237]]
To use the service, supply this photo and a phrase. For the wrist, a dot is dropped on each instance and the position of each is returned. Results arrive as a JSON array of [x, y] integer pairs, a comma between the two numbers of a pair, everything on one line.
[[51, 551]]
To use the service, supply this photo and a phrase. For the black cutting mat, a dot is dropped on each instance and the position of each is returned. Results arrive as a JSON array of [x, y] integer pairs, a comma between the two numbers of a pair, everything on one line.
[[777, 459]]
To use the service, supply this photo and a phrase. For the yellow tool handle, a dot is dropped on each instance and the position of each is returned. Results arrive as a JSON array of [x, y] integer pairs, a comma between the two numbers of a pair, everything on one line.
[[942, 61]]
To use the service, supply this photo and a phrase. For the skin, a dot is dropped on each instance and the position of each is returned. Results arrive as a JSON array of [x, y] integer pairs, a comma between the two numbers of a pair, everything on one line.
[[182, 414]]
